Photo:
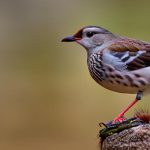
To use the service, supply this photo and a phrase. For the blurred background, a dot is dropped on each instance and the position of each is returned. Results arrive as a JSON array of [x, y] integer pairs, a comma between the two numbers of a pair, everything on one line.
[[48, 101]]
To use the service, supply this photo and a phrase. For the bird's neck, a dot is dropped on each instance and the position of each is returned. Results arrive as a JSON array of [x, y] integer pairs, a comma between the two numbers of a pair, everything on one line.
[[92, 51], [101, 47]]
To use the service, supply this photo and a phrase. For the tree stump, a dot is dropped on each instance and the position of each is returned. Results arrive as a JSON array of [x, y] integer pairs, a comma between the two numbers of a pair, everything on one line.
[[135, 138]]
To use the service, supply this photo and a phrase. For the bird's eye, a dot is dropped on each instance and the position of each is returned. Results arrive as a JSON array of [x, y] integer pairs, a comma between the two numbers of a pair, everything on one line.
[[90, 34]]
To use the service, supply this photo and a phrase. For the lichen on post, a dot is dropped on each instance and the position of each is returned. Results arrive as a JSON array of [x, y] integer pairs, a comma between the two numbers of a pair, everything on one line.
[[132, 134]]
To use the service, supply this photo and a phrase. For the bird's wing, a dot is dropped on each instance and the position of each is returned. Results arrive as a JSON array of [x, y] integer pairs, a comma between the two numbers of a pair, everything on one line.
[[127, 54]]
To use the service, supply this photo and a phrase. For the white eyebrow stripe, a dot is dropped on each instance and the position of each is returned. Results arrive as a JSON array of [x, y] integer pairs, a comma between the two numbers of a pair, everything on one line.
[[93, 29]]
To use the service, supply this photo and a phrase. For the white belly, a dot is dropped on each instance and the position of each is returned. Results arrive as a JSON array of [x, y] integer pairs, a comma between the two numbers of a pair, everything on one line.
[[120, 88]]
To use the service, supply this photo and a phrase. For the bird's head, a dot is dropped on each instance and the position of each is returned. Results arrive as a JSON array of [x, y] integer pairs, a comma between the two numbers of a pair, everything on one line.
[[90, 37]]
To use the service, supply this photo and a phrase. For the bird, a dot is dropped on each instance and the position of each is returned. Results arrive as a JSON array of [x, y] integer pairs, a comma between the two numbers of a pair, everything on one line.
[[117, 63]]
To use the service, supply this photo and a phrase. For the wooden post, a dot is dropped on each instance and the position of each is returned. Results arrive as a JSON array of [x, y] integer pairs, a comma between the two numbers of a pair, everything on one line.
[[135, 138]]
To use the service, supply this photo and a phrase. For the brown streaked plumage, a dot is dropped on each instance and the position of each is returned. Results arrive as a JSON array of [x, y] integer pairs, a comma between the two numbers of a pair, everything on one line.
[[133, 46], [117, 63]]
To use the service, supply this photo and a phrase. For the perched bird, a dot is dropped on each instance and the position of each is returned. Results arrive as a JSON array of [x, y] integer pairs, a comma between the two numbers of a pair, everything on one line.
[[117, 63]]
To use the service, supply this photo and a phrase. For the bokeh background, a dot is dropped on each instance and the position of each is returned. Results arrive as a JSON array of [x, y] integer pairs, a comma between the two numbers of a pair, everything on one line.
[[48, 101]]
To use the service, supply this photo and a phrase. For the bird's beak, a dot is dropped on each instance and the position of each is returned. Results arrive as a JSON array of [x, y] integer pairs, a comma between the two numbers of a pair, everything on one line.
[[69, 39]]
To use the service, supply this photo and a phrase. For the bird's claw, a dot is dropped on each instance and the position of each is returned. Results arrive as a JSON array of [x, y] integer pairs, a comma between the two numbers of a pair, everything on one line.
[[119, 120]]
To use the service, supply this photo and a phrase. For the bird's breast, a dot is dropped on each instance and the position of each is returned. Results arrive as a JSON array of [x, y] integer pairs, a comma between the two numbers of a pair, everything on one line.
[[112, 79], [96, 67]]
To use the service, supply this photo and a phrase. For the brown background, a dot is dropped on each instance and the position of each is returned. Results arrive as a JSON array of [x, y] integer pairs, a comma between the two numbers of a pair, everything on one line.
[[48, 100]]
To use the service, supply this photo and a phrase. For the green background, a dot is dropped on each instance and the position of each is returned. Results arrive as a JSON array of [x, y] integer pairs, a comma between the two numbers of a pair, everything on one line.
[[48, 101]]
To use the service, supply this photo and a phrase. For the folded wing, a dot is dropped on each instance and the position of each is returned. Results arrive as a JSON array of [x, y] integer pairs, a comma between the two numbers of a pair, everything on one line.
[[129, 54]]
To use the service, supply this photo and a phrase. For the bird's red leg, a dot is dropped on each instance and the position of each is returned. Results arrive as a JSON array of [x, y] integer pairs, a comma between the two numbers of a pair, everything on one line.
[[120, 117]]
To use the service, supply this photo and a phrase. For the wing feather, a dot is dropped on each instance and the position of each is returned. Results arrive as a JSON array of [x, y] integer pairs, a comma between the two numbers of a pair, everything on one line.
[[133, 53]]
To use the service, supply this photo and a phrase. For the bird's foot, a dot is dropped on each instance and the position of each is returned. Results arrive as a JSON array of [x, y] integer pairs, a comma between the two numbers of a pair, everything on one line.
[[119, 119]]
